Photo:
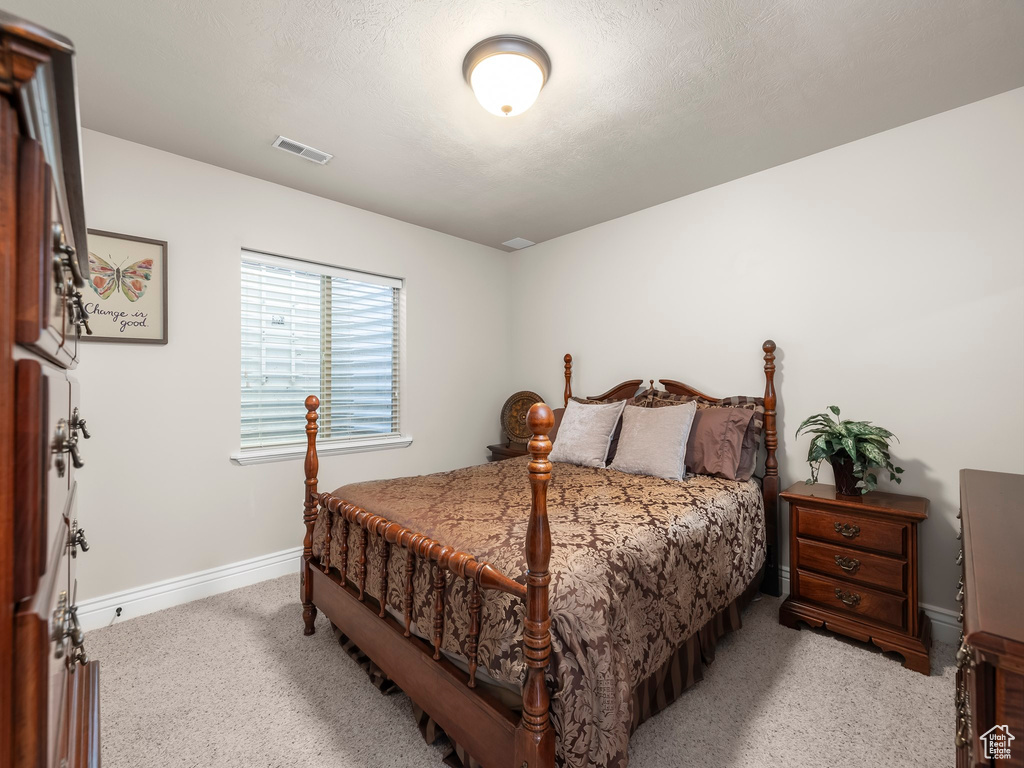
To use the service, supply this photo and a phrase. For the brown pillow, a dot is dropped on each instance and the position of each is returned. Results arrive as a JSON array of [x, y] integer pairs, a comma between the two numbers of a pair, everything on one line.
[[715, 445], [557, 413], [751, 438]]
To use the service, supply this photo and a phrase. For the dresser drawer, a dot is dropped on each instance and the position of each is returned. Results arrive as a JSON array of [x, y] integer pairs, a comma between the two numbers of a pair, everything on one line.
[[40, 672], [41, 475], [851, 530], [44, 284], [852, 598], [852, 565]]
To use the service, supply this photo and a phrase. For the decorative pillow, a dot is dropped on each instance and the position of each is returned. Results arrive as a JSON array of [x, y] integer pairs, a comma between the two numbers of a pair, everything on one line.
[[715, 445], [653, 440], [751, 438], [585, 434], [618, 427]]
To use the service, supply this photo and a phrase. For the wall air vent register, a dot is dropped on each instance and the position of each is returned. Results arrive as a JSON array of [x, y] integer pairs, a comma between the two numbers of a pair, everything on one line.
[[303, 150]]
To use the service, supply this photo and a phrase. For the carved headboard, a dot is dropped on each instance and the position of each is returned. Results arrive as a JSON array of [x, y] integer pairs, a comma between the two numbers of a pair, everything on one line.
[[770, 484]]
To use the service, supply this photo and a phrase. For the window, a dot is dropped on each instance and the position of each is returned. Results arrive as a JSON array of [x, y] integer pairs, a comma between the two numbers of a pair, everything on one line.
[[313, 329]]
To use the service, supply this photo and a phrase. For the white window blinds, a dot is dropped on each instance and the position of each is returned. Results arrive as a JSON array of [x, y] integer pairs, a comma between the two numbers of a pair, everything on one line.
[[309, 329]]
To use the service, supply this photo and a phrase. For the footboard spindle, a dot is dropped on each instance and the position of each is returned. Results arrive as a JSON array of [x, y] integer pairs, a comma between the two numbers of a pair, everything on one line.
[[474, 629], [385, 557], [439, 582]]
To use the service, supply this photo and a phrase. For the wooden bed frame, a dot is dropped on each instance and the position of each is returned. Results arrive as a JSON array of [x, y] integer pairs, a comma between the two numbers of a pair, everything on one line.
[[488, 730]]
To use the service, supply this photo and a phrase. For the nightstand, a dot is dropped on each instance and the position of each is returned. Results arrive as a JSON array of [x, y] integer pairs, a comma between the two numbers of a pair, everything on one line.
[[853, 568], [503, 451]]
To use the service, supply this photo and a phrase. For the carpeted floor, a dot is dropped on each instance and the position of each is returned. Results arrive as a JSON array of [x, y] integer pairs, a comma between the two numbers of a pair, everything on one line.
[[230, 681]]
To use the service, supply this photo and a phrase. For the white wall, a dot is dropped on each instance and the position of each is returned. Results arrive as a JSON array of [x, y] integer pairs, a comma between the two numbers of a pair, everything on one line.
[[159, 496], [890, 272]]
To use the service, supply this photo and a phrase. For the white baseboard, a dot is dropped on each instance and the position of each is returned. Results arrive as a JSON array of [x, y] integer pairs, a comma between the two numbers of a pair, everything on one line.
[[945, 627], [101, 611]]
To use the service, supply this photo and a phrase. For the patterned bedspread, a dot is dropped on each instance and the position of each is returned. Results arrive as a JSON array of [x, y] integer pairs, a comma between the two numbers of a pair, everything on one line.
[[638, 565]]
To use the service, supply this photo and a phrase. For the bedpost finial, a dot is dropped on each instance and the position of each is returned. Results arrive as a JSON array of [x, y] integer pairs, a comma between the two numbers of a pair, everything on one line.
[[567, 359], [312, 403], [768, 346], [540, 419]]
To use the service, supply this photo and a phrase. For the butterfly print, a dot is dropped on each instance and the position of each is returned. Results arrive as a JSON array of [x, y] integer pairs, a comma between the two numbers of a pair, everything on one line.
[[105, 279]]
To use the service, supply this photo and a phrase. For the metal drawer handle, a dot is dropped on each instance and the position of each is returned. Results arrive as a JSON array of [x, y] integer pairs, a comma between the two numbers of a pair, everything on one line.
[[847, 530], [851, 599], [848, 564], [960, 595], [60, 618], [961, 728], [964, 654], [960, 557]]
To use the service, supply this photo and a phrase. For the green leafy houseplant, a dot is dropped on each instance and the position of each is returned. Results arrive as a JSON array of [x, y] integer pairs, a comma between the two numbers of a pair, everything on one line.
[[852, 447]]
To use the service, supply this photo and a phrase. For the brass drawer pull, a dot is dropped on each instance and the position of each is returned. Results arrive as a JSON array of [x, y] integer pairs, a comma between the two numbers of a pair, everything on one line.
[[847, 530], [848, 564], [961, 728], [851, 599], [963, 654]]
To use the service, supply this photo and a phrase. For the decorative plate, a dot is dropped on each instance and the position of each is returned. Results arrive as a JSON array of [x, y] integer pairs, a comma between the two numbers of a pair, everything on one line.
[[513, 416]]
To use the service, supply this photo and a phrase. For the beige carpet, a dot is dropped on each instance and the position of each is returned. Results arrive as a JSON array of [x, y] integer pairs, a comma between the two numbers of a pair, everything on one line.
[[231, 681]]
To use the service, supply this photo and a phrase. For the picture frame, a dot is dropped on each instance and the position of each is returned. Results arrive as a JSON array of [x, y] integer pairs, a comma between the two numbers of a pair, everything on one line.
[[126, 298]]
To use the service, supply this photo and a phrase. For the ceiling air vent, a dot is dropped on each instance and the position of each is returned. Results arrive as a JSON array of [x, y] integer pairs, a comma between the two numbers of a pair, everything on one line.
[[302, 150], [518, 243]]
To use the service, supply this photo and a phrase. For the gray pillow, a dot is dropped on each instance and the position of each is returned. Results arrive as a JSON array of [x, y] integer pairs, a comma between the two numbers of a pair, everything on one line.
[[653, 440], [586, 432]]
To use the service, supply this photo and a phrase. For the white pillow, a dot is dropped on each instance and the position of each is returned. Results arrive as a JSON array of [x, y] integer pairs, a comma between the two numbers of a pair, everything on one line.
[[653, 440], [585, 433]]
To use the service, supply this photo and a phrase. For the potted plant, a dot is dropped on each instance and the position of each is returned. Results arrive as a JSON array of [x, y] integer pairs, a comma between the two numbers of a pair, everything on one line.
[[854, 448]]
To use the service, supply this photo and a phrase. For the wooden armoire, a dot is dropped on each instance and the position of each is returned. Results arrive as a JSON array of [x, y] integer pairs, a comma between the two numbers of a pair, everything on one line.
[[49, 687]]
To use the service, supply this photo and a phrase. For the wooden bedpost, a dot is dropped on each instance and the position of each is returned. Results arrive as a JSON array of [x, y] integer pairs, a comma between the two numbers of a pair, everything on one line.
[[535, 736], [568, 380], [772, 583], [309, 512]]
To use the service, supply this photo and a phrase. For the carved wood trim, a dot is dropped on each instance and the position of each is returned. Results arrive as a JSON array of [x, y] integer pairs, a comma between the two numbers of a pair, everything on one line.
[[567, 393], [309, 513], [772, 582], [620, 391], [535, 743]]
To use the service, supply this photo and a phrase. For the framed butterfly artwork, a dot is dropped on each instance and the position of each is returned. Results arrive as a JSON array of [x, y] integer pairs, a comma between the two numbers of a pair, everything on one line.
[[126, 291]]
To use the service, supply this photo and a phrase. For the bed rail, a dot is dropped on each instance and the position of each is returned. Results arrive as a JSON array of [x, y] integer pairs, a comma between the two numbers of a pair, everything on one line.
[[533, 740]]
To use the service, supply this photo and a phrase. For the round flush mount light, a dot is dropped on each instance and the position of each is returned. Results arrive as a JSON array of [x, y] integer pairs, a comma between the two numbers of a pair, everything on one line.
[[506, 72]]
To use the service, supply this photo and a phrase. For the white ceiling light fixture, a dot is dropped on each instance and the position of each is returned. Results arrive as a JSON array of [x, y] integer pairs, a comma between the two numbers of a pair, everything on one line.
[[506, 72]]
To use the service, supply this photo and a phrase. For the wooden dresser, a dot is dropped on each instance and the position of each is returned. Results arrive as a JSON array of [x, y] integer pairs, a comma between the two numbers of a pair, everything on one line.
[[49, 689], [853, 568], [502, 451], [990, 660]]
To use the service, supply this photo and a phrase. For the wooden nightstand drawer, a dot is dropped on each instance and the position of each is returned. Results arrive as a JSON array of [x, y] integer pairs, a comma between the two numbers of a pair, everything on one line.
[[851, 530], [852, 565], [845, 596]]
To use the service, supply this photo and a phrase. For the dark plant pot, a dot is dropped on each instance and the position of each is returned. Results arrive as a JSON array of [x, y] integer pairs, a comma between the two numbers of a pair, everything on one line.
[[846, 483]]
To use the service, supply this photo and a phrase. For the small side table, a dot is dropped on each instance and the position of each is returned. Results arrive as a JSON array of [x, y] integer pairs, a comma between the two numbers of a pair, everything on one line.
[[853, 568], [503, 451]]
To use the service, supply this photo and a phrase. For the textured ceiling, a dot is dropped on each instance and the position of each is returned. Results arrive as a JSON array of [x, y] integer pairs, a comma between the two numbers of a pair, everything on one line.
[[648, 99]]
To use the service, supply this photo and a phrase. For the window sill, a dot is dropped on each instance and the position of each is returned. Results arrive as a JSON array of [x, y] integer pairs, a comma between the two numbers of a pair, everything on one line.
[[290, 452]]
